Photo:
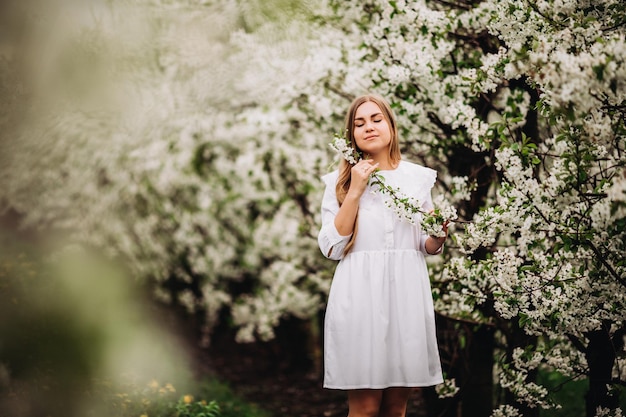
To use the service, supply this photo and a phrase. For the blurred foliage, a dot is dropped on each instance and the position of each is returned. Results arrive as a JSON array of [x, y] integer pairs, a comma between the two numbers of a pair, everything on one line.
[[68, 320]]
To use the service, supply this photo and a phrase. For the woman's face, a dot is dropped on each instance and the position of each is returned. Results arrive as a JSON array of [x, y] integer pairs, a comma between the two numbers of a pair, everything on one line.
[[371, 129]]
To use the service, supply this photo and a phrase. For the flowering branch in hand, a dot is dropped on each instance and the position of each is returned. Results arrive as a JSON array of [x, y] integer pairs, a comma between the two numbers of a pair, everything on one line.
[[405, 207], [342, 146]]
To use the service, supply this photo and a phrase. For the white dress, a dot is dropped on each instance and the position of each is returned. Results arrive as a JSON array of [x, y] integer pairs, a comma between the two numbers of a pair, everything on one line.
[[379, 329]]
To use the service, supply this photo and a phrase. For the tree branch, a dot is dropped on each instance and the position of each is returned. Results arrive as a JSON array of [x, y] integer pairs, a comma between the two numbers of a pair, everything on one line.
[[602, 259]]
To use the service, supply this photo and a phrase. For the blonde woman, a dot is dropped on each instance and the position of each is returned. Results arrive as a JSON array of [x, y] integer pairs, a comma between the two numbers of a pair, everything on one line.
[[379, 329]]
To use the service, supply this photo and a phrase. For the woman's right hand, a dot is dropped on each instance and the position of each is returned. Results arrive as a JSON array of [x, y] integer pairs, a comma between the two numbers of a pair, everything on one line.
[[359, 176]]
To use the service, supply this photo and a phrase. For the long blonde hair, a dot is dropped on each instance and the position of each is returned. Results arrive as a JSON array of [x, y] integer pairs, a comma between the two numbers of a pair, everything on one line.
[[343, 182]]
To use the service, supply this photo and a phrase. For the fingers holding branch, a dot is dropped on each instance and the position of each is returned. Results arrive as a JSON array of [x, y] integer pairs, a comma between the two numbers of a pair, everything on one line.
[[360, 174], [363, 169]]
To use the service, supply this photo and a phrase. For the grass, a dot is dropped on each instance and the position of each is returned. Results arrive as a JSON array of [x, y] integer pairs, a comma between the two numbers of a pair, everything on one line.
[[571, 395], [209, 398], [230, 404]]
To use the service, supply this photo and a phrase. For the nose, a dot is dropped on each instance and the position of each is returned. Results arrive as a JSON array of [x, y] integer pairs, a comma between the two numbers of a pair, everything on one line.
[[369, 126]]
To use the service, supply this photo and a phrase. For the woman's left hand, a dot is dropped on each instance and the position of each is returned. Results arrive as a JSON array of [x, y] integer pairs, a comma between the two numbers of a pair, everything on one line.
[[434, 243]]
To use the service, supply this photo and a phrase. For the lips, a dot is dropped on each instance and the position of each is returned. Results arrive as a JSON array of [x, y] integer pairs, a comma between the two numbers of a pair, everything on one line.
[[371, 137]]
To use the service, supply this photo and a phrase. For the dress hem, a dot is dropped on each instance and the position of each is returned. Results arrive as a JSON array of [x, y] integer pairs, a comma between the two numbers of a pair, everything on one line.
[[383, 386]]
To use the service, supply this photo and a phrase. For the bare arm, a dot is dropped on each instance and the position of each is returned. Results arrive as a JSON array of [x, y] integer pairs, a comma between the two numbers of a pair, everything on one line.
[[344, 221]]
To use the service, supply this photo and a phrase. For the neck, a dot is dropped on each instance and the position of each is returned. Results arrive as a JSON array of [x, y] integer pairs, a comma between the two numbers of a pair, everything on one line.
[[383, 161]]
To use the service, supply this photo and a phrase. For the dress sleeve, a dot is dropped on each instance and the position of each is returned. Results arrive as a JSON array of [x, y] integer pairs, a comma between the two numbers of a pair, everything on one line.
[[331, 243]]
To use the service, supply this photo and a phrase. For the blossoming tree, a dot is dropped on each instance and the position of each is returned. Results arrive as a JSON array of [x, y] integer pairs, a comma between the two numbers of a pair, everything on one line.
[[527, 100], [195, 157]]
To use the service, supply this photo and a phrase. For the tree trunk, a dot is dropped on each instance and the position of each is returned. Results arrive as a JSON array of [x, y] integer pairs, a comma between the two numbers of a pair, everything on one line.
[[477, 394], [600, 356], [466, 355]]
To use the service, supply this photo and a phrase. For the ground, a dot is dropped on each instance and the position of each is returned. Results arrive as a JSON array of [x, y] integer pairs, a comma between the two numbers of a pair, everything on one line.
[[284, 393]]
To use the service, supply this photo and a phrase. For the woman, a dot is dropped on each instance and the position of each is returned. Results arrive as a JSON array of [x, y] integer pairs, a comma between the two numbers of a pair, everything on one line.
[[379, 330]]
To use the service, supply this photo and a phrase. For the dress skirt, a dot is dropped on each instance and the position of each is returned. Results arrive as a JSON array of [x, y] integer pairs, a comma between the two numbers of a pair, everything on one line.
[[379, 327]]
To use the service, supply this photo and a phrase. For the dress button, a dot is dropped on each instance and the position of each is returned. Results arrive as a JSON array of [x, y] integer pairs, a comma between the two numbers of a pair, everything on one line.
[[388, 225]]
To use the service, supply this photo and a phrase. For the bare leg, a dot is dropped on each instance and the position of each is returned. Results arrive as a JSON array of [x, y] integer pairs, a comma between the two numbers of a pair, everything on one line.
[[394, 401], [364, 402]]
